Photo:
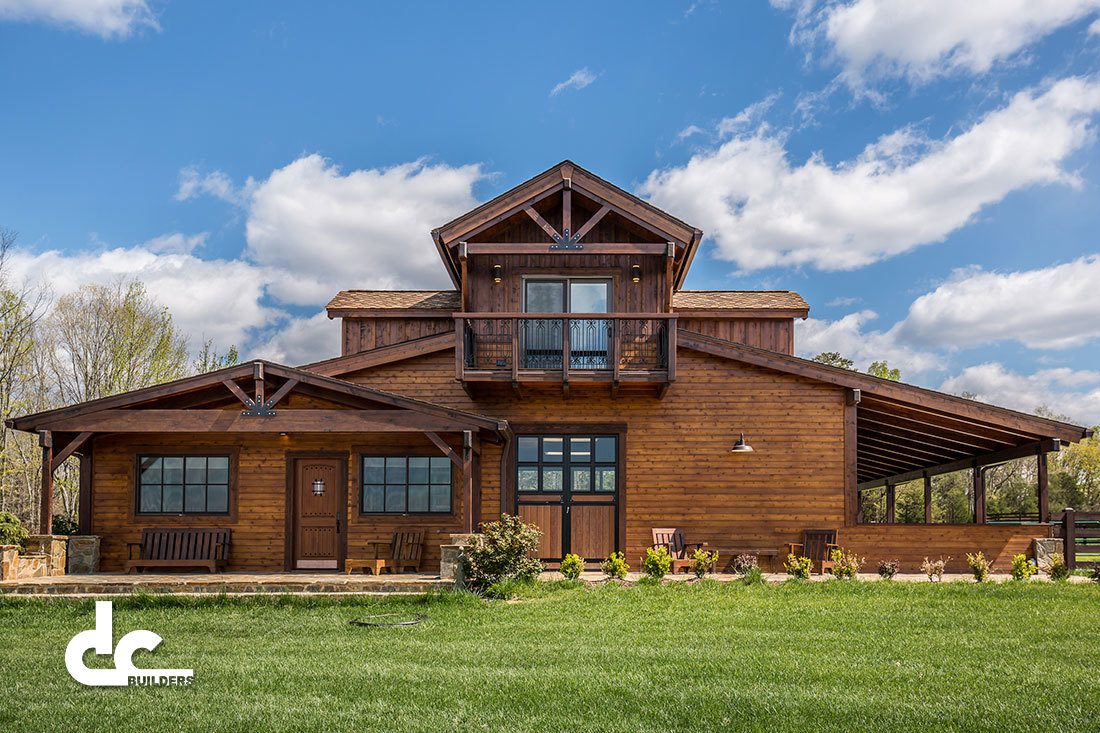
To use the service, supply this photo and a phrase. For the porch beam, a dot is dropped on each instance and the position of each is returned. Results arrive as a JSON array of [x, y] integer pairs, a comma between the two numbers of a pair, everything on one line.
[[608, 248], [239, 393], [1049, 445], [280, 393], [68, 450], [232, 421], [445, 448]]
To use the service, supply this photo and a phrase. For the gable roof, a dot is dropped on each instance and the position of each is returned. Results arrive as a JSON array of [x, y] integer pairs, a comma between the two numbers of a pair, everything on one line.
[[168, 394], [568, 173], [739, 300], [441, 300]]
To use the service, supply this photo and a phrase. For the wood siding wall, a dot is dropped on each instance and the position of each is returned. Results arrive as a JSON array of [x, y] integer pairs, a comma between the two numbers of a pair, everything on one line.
[[365, 334], [775, 334], [911, 543]]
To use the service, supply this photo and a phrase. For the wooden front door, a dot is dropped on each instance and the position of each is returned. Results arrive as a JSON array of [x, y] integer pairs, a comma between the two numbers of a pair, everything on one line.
[[319, 491], [568, 486]]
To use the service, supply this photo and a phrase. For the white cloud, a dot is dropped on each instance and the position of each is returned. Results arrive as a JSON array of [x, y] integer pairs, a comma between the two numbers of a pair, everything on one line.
[[874, 39], [302, 341], [689, 131], [216, 184], [1049, 308], [849, 336], [901, 192], [1066, 391], [748, 118], [579, 79], [844, 300], [175, 243], [218, 299], [104, 18], [321, 230], [1094, 28]]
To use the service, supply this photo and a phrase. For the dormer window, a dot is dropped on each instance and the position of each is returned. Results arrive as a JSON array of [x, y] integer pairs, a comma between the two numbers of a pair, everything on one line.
[[566, 295]]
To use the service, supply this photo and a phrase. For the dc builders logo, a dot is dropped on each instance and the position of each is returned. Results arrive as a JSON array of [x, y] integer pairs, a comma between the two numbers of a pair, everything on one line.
[[124, 673]]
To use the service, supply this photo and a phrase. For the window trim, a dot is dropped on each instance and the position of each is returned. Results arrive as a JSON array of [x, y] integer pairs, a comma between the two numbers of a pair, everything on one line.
[[566, 464], [172, 518], [566, 280], [361, 455]]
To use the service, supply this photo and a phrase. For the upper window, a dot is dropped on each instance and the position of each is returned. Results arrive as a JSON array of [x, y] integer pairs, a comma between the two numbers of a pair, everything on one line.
[[406, 485], [192, 484], [555, 463], [566, 295]]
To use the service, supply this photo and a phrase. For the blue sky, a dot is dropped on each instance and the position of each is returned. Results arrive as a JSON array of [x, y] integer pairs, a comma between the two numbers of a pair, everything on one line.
[[927, 177]]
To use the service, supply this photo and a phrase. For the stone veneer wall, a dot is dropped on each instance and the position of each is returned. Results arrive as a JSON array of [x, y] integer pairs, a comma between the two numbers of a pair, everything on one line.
[[83, 555], [43, 556]]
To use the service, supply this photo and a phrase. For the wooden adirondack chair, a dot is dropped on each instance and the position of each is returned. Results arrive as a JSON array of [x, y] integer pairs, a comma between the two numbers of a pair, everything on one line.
[[405, 550], [816, 544], [672, 538]]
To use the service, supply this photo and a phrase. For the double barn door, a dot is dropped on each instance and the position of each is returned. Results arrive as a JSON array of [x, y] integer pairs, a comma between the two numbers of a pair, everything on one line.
[[568, 486]]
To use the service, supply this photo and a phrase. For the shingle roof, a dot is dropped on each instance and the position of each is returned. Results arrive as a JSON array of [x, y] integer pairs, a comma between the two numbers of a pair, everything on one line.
[[445, 300], [448, 300], [737, 299]]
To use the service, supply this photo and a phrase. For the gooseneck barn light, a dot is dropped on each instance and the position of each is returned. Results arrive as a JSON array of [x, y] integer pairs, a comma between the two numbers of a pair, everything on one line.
[[741, 446]]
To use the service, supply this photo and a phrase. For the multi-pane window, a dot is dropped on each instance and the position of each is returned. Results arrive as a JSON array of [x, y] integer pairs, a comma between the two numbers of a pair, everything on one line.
[[579, 464], [406, 485], [183, 484]]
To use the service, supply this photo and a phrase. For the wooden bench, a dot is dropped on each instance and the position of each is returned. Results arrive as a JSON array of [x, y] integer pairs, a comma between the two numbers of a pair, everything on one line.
[[192, 547], [405, 550]]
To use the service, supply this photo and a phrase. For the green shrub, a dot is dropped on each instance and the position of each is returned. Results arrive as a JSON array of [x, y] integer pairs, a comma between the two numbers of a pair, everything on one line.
[[572, 566], [12, 531], [1057, 569], [753, 576], [703, 562], [798, 567], [743, 564], [1022, 568], [657, 562], [978, 565], [1094, 576], [934, 568], [615, 566], [887, 569], [64, 524], [846, 565], [502, 551]]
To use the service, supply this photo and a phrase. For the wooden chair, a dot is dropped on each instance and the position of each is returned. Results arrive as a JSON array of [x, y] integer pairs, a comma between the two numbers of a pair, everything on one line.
[[405, 550], [816, 544], [672, 539], [204, 547]]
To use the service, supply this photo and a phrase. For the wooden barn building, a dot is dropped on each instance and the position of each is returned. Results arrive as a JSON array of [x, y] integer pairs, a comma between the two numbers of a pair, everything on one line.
[[568, 378]]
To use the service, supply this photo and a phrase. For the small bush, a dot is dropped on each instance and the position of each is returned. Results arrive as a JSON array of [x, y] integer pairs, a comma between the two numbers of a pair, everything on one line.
[[1094, 576], [615, 566], [1057, 569], [743, 564], [657, 562], [501, 552], [12, 531], [798, 567], [65, 524], [753, 576], [846, 565], [572, 566], [703, 562], [887, 569], [934, 568], [978, 565], [1022, 568]]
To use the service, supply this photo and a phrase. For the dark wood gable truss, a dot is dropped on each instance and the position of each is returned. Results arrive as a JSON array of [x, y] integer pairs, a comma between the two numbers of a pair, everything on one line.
[[897, 432], [204, 404]]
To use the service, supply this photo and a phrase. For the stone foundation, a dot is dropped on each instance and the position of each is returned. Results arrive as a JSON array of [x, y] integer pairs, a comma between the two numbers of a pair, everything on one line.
[[83, 555], [450, 559], [53, 546], [43, 557], [1044, 548]]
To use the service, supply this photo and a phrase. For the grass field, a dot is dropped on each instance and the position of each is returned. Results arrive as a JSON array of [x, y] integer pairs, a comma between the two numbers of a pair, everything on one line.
[[823, 656]]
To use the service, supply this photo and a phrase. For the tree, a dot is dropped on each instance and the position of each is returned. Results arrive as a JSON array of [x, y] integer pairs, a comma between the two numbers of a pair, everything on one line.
[[882, 369], [106, 339], [833, 358], [209, 360]]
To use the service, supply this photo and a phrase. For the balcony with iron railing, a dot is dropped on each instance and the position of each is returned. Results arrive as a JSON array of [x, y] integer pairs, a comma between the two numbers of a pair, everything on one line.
[[566, 347]]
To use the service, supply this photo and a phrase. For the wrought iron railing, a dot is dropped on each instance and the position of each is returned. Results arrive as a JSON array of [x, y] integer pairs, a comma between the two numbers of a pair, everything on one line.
[[566, 342]]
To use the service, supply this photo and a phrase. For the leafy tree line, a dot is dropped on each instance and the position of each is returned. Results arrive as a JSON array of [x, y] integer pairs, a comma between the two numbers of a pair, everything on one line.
[[97, 341], [1011, 488]]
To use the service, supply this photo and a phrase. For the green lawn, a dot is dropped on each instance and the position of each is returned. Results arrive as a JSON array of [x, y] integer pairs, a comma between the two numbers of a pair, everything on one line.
[[822, 657]]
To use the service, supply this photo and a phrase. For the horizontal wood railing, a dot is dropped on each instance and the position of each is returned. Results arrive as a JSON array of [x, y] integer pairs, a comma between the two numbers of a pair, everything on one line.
[[609, 345], [1080, 534]]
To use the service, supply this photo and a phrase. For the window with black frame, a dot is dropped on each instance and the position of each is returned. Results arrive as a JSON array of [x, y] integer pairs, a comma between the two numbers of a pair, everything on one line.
[[406, 485], [183, 484], [551, 464]]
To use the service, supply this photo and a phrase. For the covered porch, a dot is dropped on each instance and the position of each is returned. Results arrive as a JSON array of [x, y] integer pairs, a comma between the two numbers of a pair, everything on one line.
[[238, 448]]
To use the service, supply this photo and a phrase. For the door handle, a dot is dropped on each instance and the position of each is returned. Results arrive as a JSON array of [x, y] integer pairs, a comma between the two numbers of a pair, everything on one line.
[[337, 524]]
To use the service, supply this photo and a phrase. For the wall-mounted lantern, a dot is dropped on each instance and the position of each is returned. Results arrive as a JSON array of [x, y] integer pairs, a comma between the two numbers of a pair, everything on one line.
[[636, 273], [498, 272], [741, 446], [318, 487]]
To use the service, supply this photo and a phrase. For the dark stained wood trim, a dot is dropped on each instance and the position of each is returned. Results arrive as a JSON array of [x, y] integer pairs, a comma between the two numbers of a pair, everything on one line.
[[445, 448], [1043, 481], [543, 224], [592, 221], [594, 248], [987, 459], [87, 473], [72, 446], [851, 500], [45, 513], [136, 518], [385, 355]]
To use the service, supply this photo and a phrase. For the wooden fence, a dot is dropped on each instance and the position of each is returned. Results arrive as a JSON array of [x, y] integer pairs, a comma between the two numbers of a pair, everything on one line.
[[1080, 533]]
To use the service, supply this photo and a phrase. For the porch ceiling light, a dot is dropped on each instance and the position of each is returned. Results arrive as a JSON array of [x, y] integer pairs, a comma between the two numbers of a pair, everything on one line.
[[636, 273], [318, 487], [498, 271], [741, 446]]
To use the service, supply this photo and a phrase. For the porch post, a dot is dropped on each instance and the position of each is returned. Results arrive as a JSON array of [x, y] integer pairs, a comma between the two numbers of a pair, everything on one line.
[[979, 494], [85, 503], [45, 526], [1044, 488], [468, 523], [927, 498], [891, 513]]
